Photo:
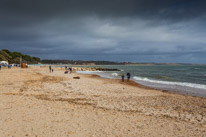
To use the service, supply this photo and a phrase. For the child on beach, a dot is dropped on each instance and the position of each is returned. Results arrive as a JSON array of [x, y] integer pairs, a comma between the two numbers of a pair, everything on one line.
[[122, 77]]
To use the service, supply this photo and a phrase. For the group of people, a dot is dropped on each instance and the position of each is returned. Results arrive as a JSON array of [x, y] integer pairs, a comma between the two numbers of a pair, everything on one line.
[[70, 70], [9, 66], [128, 77]]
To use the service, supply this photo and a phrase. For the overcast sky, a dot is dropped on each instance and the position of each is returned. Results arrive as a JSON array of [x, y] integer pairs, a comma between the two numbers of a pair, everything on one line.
[[114, 30]]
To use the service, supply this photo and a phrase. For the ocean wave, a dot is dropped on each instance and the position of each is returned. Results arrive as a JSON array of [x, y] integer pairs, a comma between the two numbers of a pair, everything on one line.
[[185, 84]]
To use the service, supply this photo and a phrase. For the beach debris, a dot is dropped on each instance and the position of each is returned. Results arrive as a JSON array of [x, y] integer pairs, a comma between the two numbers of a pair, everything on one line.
[[76, 77]]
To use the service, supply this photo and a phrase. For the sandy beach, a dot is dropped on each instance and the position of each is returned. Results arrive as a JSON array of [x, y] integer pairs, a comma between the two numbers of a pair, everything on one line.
[[37, 103]]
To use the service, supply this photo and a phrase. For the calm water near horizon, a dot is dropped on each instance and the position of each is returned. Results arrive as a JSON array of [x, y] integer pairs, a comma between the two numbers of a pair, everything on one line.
[[185, 79]]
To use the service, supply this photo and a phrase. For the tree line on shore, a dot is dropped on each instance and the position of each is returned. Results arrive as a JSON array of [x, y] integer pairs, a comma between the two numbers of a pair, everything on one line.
[[14, 57]]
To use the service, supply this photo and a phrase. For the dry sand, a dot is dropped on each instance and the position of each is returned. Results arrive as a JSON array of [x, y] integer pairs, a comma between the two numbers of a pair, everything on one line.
[[36, 103]]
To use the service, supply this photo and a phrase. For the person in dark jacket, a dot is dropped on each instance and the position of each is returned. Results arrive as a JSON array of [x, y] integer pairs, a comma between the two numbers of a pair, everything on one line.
[[70, 69], [50, 68], [128, 76]]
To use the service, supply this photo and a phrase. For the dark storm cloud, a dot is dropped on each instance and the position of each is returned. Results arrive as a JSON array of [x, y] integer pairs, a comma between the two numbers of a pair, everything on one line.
[[135, 30], [40, 9]]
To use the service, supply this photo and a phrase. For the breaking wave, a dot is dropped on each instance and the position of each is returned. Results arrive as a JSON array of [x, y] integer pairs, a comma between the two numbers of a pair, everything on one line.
[[192, 85]]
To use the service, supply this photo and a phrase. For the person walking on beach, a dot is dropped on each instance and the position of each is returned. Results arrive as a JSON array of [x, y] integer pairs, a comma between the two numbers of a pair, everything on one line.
[[122, 77], [70, 69], [128, 76], [0, 66], [50, 68]]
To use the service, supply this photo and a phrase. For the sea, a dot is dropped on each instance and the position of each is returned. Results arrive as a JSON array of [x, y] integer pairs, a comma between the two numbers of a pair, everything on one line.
[[183, 79]]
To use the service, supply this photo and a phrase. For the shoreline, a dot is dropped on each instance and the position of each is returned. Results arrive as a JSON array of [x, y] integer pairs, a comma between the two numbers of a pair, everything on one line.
[[135, 83]]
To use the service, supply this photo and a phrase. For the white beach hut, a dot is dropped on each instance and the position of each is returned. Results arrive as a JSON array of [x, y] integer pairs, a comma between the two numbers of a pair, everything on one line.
[[4, 63]]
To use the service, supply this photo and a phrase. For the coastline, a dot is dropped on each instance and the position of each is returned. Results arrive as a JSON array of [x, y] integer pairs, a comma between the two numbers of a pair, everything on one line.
[[55, 104], [138, 83]]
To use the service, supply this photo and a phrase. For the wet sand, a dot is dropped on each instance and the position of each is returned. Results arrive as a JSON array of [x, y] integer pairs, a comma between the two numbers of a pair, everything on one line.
[[37, 103]]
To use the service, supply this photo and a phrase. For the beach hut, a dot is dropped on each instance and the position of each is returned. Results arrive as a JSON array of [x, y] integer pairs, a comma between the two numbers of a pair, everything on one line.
[[24, 65], [4, 63]]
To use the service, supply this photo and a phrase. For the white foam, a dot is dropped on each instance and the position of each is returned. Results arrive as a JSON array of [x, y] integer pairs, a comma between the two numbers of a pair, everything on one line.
[[114, 74], [192, 85], [88, 72], [100, 73]]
